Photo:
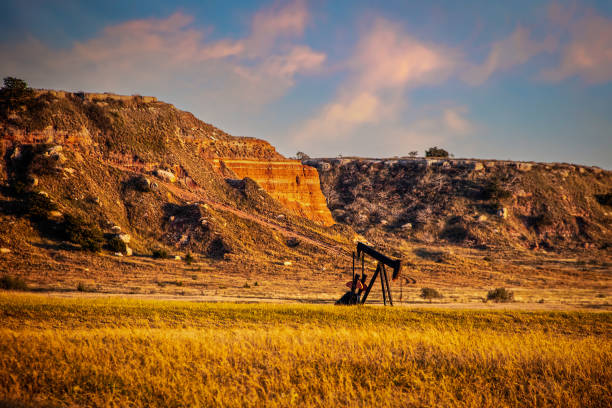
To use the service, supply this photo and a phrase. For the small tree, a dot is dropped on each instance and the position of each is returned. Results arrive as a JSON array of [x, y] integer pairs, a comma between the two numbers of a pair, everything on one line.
[[302, 156], [15, 88], [436, 152], [413, 153]]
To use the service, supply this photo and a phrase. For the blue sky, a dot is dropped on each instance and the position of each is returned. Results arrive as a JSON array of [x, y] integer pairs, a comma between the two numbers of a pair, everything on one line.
[[521, 80]]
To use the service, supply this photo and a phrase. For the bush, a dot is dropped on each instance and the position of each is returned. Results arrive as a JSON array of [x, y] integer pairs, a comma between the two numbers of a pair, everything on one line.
[[115, 244], [495, 191], [456, 233], [160, 253], [83, 233], [436, 152], [430, 293], [604, 199], [81, 287], [189, 258], [12, 283], [500, 295], [37, 206]]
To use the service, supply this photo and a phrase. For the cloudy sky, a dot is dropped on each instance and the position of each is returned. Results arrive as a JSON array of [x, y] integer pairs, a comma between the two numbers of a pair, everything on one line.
[[522, 80]]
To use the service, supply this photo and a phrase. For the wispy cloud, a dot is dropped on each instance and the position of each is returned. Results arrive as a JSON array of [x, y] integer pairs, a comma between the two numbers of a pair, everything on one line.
[[385, 62], [588, 54], [133, 54], [516, 49]]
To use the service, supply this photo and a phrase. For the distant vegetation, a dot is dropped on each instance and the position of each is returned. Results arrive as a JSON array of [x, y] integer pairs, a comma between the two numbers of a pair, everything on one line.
[[500, 295], [430, 293], [8, 282], [436, 152]]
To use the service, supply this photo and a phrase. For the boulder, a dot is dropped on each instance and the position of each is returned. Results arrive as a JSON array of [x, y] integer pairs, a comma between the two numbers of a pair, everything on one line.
[[177, 258], [477, 166], [116, 229], [55, 214], [128, 251], [407, 226], [165, 175], [502, 212], [125, 238], [524, 166], [5, 250]]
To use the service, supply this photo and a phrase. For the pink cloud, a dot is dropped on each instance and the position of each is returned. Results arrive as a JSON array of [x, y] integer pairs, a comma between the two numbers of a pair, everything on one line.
[[588, 55], [387, 57], [135, 54], [516, 49], [288, 19], [385, 63]]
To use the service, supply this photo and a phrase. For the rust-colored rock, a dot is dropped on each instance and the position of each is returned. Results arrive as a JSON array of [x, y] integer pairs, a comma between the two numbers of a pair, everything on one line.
[[294, 185]]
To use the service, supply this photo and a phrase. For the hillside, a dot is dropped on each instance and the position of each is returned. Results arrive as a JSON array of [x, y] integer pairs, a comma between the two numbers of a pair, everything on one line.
[[126, 194]]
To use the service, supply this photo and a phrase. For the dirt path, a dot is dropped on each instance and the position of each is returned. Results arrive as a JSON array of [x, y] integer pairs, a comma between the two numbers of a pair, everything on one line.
[[200, 196]]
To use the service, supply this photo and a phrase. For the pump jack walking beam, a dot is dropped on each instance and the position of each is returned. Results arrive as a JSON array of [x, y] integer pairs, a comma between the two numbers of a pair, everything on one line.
[[383, 260]]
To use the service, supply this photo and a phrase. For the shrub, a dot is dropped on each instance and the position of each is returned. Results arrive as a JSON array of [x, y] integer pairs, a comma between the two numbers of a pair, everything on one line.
[[83, 233], [495, 191], [12, 283], [115, 244], [37, 206], [436, 152], [430, 293], [160, 253], [81, 287], [189, 258], [500, 295], [455, 233], [604, 199]]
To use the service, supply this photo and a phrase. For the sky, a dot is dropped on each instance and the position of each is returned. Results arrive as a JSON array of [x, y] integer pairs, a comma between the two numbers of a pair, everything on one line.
[[519, 80]]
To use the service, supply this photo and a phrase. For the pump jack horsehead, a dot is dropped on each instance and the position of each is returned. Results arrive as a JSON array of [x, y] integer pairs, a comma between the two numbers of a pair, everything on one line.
[[358, 283]]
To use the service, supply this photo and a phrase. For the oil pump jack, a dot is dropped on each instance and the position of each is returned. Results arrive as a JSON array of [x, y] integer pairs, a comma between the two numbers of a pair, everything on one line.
[[358, 284]]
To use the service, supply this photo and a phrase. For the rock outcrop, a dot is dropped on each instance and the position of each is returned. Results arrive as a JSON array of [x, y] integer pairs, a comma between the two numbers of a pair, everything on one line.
[[475, 202], [294, 185]]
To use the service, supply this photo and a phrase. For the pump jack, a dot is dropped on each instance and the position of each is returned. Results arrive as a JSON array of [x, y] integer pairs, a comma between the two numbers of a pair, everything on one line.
[[358, 283]]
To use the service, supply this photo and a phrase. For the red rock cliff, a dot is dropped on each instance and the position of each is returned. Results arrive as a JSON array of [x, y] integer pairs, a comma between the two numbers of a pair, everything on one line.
[[295, 186]]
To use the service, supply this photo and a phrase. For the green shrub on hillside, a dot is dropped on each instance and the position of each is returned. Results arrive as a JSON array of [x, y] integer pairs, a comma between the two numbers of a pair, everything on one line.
[[76, 230], [115, 244]]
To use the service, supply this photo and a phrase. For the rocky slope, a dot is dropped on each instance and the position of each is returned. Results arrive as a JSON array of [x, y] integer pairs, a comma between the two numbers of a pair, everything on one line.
[[80, 167], [471, 202]]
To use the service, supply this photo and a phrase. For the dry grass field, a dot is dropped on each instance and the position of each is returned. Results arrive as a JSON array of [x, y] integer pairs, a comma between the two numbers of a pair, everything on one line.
[[119, 352]]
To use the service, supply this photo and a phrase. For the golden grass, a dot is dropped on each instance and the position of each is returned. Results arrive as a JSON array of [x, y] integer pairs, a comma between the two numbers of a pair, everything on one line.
[[117, 352]]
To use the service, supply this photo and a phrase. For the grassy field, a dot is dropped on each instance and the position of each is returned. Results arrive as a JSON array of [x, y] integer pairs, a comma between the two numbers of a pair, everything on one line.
[[117, 352]]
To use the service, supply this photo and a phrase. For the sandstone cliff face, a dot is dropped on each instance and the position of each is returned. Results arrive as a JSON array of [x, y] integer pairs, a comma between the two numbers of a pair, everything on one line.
[[294, 185]]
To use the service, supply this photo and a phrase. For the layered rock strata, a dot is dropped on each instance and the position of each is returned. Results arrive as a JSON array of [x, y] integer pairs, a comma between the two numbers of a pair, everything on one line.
[[294, 185]]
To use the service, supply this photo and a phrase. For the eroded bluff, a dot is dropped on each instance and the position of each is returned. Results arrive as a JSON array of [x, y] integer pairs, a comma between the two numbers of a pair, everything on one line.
[[474, 202], [142, 133]]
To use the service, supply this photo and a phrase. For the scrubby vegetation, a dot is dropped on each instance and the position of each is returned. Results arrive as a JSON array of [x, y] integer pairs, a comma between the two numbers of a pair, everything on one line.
[[430, 293], [8, 282], [500, 295], [86, 234], [191, 354], [160, 253]]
